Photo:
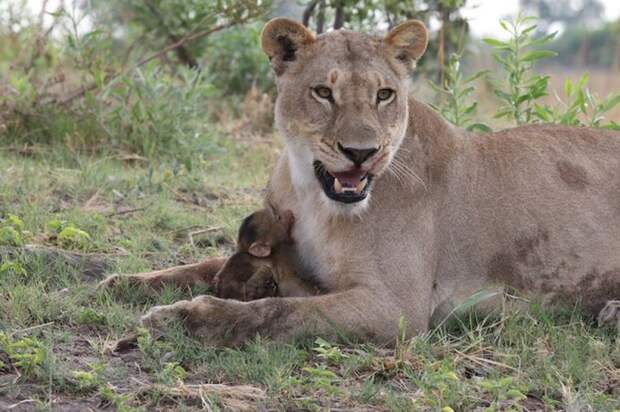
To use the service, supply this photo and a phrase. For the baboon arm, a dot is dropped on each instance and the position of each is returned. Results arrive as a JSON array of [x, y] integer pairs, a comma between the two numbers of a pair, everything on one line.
[[180, 276], [293, 286], [357, 313]]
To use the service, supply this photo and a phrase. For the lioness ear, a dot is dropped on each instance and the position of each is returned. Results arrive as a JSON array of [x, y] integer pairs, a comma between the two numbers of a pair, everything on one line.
[[280, 40], [260, 249], [408, 41]]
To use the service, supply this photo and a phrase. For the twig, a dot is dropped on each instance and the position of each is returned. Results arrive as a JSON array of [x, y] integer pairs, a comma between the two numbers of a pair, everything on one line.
[[31, 328], [199, 232], [483, 361], [189, 37], [15, 405], [127, 211]]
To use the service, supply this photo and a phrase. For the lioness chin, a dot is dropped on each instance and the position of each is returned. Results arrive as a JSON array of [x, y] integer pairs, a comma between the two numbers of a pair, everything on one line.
[[399, 214]]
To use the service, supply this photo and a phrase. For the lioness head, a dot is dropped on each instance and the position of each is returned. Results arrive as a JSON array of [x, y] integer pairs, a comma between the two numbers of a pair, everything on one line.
[[342, 104]]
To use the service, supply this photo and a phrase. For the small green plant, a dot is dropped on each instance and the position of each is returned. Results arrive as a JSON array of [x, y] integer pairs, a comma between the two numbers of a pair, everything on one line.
[[323, 378], [504, 392], [120, 402], [91, 317], [12, 231], [580, 107], [517, 57], [88, 381], [68, 235], [12, 268], [27, 354], [73, 237], [171, 373], [441, 386], [454, 96], [329, 352]]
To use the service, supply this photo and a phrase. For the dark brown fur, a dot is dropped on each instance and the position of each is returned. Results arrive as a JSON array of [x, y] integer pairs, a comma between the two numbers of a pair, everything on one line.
[[573, 175], [246, 276]]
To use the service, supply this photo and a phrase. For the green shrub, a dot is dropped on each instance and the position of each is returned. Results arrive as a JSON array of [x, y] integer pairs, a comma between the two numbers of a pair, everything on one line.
[[517, 57], [235, 62]]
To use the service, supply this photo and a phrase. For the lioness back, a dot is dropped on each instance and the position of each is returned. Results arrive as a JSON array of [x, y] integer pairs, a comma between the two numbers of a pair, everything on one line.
[[536, 208]]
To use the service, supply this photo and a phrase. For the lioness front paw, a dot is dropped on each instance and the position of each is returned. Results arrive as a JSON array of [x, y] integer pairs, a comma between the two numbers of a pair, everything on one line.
[[158, 317], [110, 282], [610, 314]]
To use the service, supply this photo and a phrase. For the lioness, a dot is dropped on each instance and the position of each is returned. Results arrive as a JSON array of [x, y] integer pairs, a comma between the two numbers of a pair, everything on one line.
[[400, 214]]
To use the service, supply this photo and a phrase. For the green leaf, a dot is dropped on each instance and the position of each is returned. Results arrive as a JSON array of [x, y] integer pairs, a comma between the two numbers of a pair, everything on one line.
[[503, 95], [612, 126], [529, 29], [470, 109], [583, 80], [542, 40], [503, 113], [610, 103], [498, 44], [479, 127], [537, 55], [568, 87], [505, 25], [544, 113], [515, 394], [476, 76]]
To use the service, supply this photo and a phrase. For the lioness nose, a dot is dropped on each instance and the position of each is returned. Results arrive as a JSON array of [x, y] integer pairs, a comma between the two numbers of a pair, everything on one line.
[[358, 156]]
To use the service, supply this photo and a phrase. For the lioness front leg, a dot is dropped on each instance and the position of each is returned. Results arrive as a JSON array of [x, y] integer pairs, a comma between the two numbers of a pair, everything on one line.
[[610, 314], [358, 313], [180, 276]]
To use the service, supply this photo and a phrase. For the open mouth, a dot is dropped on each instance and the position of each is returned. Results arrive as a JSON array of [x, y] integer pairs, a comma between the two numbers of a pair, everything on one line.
[[347, 187]]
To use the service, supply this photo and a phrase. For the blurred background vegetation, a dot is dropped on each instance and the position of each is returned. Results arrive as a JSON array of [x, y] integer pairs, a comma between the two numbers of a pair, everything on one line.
[[151, 78]]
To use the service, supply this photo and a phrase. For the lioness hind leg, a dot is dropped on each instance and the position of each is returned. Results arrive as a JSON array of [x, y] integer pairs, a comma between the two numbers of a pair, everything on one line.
[[610, 314], [179, 276]]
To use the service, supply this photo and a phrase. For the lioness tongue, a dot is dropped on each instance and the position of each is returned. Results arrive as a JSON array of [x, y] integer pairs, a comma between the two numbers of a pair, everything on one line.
[[350, 181], [350, 178]]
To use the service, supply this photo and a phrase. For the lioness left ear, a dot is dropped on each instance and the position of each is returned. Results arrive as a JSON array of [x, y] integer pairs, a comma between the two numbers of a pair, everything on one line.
[[408, 41], [281, 39], [260, 249]]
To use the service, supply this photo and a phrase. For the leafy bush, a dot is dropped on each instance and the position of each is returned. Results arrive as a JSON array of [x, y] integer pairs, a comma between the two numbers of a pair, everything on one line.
[[517, 57], [12, 231], [455, 93], [27, 354], [521, 97], [90, 97], [235, 62]]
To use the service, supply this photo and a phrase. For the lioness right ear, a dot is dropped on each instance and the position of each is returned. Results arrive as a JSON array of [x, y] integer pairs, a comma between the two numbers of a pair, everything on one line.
[[281, 39], [408, 41], [260, 249]]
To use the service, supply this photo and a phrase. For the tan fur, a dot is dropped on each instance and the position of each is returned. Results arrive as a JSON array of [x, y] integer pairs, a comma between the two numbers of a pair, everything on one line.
[[535, 208]]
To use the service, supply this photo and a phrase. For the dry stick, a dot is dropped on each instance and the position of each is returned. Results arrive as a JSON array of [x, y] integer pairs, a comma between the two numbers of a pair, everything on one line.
[[189, 37], [30, 329], [200, 232], [483, 361], [127, 211]]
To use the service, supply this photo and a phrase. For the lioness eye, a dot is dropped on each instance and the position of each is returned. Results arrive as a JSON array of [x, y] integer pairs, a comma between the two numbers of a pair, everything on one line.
[[323, 92], [384, 94]]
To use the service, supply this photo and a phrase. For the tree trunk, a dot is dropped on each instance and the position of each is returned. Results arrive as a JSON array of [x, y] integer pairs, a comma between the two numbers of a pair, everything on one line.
[[441, 54], [182, 52], [320, 19], [308, 12], [339, 20]]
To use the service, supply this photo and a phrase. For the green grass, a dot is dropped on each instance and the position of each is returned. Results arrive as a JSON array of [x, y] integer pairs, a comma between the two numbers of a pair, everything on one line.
[[54, 326]]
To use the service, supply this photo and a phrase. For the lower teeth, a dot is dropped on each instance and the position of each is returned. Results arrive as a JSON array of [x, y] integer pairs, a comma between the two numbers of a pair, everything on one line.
[[339, 188]]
